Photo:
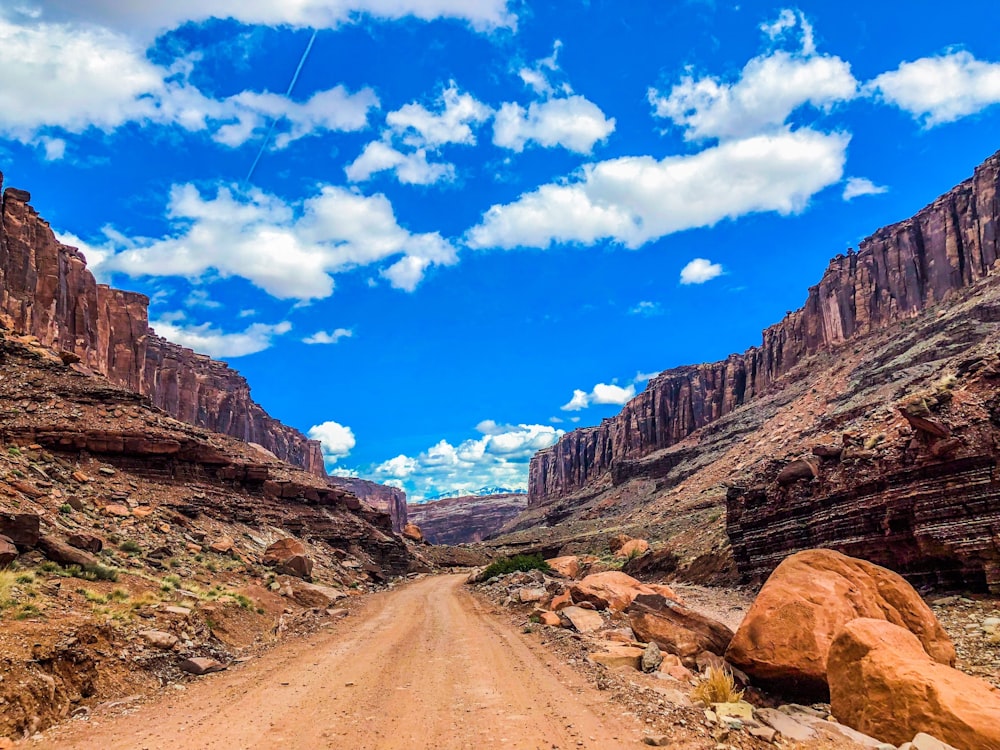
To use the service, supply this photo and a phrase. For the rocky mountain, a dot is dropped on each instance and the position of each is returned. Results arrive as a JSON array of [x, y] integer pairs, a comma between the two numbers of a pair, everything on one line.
[[465, 519], [47, 292], [914, 307], [379, 496], [481, 492]]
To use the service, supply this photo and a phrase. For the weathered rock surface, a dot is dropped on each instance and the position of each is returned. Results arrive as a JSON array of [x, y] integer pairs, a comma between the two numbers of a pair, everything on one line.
[[412, 532], [568, 565], [784, 640], [883, 683], [583, 620], [8, 552], [47, 292], [896, 273], [58, 551], [677, 629], [289, 556], [614, 590], [460, 520], [200, 665]]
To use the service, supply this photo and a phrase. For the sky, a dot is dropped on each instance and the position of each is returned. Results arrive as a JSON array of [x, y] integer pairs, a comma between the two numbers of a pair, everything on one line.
[[437, 234]]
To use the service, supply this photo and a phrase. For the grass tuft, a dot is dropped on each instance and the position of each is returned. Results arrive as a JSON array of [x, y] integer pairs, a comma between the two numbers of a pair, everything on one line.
[[717, 686]]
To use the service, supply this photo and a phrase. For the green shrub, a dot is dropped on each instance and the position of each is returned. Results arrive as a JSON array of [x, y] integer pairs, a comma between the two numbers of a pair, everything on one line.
[[65, 509], [99, 573], [130, 547], [522, 563]]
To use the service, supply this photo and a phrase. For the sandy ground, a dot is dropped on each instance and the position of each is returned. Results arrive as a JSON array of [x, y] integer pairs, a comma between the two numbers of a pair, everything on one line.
[[422, 666]]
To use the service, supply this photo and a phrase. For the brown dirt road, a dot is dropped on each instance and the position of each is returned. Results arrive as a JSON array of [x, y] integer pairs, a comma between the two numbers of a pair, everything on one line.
[[422, 666]]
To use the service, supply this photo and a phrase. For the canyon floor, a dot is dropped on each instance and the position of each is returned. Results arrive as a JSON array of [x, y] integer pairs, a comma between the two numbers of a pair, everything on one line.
[[424, 665]]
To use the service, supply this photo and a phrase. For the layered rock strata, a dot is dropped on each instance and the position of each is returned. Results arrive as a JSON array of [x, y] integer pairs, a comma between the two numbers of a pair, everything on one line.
[[457, 520], [379, 496], [47, 292], [896, 273]]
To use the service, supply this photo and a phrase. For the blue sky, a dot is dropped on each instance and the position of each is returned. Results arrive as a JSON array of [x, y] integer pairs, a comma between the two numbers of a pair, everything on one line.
[[475, 224]]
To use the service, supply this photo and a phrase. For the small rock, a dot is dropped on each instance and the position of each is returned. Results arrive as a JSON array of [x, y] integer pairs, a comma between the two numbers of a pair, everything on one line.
[[159, 639], [925, 742], [656, 740], [107, 471], [583, 620], [222, 545], [527, 595], [179, 611], [651, 658], [116, 509], [200, 665], [622, 656], [765, 733]]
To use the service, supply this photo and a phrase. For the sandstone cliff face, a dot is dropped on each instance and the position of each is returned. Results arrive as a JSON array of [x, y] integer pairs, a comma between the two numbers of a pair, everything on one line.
[[458, 520], [47, 292], [897, 272], [389, 500]]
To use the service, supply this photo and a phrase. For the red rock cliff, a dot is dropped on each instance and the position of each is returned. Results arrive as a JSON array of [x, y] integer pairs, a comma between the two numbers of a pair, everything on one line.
[[898, 271], [46, 291], [379, 496]]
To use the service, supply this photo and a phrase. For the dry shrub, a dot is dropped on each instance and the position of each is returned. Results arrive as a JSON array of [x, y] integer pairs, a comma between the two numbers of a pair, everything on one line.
[[717, 686]]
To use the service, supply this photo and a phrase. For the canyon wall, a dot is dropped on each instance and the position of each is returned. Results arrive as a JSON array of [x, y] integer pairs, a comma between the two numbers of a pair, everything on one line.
[[390, 500], [457, 520], [47, 292], [897, 272]]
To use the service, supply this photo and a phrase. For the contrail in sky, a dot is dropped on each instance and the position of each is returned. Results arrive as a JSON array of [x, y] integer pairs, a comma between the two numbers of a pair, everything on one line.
[[274, 120]]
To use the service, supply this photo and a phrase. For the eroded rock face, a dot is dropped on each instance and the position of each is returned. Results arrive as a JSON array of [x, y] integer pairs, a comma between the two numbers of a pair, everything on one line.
[[785, 638], [379, 496], [896, 273], [47, 292], [677, 629], [613, 590], [883, 683], [457, 520]]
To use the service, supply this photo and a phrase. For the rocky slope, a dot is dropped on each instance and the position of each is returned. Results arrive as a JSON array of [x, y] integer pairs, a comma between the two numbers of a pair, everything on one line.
[[139, 540], [47, 292], [899, 271], [458, 520]]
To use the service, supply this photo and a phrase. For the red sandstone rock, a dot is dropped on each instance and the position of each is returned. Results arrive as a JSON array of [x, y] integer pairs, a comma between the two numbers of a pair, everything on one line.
[[381, 497], [568, 566], [633, 548], [412, 532], [677, 629], [802, 468], [8, 552], [289, 556], [58, 551], [613, 590], [785, 637], [457, 520], [883, 683], [86, 542], [21, 528]]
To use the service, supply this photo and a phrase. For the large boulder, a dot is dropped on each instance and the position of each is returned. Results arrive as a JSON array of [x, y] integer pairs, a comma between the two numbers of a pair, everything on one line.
[[614, 590], [58, 551], [676, 629], [567, 566], [289, 556], [883, 683], [86, 542], [784, 639], [412, 532], [21, 528], [633, 548]]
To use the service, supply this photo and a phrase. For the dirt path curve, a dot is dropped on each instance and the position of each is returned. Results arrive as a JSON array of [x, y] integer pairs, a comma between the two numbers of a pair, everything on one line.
[[422, 666]]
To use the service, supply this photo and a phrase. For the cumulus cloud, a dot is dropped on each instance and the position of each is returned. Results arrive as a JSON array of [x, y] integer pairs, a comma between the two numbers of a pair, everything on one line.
[[111, 82], [858, 186], [499, 457], [149, 18], [635, 199], [700, 270], [207, 339], [573, 122], [452, 122], [291, 251], [409, 168], [602, 393], [769, 89], [940, 89], [337, 440], [332, 337]]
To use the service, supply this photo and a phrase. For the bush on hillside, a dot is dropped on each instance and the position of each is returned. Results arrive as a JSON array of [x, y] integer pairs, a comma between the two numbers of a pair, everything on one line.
[[522, 563]]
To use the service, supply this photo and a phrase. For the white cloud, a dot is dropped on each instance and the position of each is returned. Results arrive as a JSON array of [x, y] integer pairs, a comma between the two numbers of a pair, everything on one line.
[[291, 251], [419, 127], [498, 458], [700, 270], [206, 339], [572, 122], [646, 308], [635, 199], [111, 82], [338, 441], [323, 337], [537, 77], [149, 18], [602, 393], [941, 89], [770, 88], [858, 186], [642, 377], [410, 169]]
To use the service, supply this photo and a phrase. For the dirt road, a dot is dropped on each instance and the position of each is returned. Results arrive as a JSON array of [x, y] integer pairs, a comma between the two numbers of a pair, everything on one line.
[[423, 666]]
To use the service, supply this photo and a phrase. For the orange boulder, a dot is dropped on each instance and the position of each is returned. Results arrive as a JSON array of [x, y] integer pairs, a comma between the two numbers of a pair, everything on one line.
[[784, 639], [568, 566], [614, 590], [677, 629], [412, 532], [633, 548], [883, 683]]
